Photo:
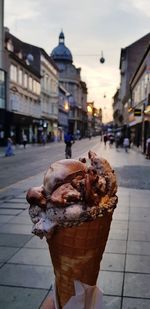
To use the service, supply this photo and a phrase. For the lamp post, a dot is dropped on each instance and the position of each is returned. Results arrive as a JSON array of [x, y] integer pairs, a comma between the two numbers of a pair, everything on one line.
[[102, 59]]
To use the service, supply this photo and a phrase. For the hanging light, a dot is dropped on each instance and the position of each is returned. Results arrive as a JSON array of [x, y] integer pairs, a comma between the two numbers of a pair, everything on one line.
[[102, 59]]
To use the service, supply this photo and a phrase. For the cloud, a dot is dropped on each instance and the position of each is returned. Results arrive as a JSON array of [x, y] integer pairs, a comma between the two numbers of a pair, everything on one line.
[[141, 7]]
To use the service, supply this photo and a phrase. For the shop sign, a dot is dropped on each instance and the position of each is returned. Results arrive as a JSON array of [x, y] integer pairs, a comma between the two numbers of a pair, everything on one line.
[[137, 112]]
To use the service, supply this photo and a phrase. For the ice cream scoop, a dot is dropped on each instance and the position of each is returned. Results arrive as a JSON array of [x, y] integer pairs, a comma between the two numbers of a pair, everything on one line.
[[72, 192]]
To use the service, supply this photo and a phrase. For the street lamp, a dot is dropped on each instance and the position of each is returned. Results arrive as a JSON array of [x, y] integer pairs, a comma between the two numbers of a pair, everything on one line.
[[66, 105], [102, 59]]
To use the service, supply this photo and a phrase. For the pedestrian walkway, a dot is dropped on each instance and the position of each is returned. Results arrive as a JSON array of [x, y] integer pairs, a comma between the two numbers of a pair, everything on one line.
[[26, 273]]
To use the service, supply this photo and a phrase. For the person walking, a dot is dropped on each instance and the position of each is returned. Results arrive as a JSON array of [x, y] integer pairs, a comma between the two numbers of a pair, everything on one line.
[[126, 144], [24, 140], [9, 149], [148, 148], [105, 138]]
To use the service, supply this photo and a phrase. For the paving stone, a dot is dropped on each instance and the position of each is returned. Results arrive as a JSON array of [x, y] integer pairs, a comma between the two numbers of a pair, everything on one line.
[[139, 226], [5, 218], [121, 209], [145, 216], [21, 220], [6, 253], [138, 263], [117, 234], [138, 235], [145, 211], [115, 246], [110, 282], [138, 247], [137, 284], [26, 276], [21, 298], [13, 212], [14, 205], [36, 242], [32, 257], [120, 216], [24, 213], [112, 302], [18, 200], [139, 202], [114, 262], [119, 224], [14, 240], [15, 228], [135, 303]]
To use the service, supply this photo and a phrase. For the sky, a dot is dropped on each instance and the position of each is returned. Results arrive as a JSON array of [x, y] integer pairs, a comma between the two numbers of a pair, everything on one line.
[[90, 27]]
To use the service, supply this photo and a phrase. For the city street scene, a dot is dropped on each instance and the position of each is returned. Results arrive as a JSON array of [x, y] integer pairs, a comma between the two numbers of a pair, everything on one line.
[[74, 98], [26, 273]]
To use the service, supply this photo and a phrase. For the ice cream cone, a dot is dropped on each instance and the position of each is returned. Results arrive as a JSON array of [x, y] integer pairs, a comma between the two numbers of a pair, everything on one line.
[[76, 253]]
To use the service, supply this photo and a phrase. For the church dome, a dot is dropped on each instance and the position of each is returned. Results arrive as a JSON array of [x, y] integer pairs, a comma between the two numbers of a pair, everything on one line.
[[61, 52]]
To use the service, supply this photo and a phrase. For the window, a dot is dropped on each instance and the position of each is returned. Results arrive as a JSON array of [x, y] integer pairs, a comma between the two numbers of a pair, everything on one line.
[[20, 77], [13, 73], [25, 80], [38, 87], [30, 83], [2, 89], [34, 86]]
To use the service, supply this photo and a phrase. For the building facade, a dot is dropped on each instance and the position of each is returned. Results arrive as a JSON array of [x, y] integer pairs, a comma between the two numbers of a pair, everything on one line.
[[129, 60], [139, 108], [22, 93], [70, 79], [32, 92]]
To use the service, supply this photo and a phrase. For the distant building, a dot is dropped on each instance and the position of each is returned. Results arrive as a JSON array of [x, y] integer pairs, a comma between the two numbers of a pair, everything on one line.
[[129, 60], [22, 92], [70, 79], [32, 92], [139, 108], [117, 110], [63, 112]]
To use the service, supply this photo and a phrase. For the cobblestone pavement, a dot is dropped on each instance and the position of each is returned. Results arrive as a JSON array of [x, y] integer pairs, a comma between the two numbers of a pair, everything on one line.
[[26, 273]]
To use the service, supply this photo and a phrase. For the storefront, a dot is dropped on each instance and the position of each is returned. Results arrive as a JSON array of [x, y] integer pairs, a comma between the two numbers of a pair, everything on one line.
[[135, 124]]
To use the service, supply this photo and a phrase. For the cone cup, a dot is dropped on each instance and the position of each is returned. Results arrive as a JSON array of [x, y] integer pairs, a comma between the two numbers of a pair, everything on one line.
[[76, 253]]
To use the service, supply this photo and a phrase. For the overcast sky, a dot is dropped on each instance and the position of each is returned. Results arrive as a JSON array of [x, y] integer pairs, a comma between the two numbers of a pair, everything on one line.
[[90, 26]]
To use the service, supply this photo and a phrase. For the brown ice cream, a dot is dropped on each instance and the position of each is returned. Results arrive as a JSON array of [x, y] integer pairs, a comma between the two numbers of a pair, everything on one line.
[[73, 210]]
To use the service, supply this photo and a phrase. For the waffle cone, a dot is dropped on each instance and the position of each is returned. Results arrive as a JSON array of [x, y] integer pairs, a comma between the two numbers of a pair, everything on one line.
[[76, 253]]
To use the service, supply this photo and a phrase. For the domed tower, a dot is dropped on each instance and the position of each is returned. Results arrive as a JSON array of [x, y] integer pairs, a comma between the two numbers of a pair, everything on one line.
[[61, 54]]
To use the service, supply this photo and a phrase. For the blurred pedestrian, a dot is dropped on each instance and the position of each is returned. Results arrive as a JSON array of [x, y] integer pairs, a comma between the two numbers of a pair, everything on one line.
[[111, 140], [126, 144], [43, 138], [9, 149], [24, 140], [105, 138], [148, 148], [90, 135]]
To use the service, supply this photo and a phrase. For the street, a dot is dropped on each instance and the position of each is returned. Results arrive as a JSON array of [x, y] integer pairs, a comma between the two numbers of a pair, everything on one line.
[[26, 273], [132, 169]]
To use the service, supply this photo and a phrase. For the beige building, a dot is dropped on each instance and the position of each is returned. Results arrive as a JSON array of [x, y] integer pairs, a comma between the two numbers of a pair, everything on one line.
[[32, 96], [70, 79]]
